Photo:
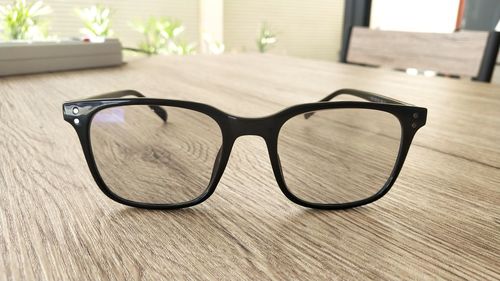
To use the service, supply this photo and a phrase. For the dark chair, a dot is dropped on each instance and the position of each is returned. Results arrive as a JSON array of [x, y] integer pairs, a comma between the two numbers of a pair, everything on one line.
[[464, 53]]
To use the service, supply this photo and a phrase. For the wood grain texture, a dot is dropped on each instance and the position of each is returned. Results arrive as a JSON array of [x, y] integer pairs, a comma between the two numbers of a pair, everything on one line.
[[458, 53], [441, 219]]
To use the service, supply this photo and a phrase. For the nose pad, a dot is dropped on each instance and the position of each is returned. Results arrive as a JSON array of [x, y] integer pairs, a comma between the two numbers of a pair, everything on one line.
[[216, 163]]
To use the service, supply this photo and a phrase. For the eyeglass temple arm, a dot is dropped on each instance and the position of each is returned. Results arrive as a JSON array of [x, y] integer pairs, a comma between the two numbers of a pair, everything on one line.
[[162, 113], [360, 94]]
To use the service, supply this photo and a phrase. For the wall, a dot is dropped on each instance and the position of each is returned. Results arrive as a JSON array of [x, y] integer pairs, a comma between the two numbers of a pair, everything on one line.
[[211, 23], [481, 14], [65, 21], [305, 28]]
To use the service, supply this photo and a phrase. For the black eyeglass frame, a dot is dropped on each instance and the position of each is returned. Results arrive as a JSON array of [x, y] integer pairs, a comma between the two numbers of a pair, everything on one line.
[[79, 114]]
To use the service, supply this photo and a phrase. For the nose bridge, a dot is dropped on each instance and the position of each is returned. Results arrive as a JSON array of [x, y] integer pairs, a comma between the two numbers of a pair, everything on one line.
[[242, 126]]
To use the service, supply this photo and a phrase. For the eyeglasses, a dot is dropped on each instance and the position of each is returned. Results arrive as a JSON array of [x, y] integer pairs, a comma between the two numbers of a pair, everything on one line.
[[167, 154]]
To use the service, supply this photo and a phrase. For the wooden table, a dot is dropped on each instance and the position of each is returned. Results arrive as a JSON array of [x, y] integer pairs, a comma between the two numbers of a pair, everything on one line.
[[441, 220]]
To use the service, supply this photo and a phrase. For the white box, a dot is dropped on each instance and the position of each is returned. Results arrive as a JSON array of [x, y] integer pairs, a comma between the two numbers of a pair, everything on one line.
[[35, 57]]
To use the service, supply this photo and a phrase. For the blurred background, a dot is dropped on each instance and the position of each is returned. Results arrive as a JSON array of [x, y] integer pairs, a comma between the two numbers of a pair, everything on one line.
[[317, 29]]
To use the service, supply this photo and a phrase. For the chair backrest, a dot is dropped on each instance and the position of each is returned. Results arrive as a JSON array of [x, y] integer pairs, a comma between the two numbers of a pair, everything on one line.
[[460, 53]]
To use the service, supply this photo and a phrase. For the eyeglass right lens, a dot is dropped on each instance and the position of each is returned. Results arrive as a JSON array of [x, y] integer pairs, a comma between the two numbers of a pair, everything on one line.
[[339, 155]]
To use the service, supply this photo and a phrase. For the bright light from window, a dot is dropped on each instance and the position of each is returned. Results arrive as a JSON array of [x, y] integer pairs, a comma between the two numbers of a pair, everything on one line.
[[416, 16]]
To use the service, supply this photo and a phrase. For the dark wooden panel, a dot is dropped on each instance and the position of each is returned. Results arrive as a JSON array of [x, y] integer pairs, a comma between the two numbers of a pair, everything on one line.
[[457, 53]]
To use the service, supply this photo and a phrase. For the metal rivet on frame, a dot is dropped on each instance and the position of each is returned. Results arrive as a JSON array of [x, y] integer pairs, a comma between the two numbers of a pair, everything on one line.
[[414, 125], [75, 110], [415, 115], [76, 121]]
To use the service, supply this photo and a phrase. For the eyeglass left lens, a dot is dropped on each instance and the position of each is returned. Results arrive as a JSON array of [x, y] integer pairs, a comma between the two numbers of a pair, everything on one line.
[[143, 159]]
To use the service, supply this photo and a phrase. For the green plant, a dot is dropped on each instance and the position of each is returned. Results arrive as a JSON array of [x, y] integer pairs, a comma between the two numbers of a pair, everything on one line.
[[183, 48], [96, 20], [266, 38], [23, 20], [161, 36]]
